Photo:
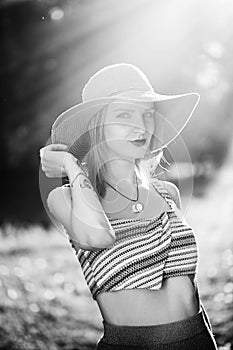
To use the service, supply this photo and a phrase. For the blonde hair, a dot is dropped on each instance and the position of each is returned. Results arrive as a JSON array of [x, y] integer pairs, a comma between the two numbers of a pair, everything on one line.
[[95, 158]]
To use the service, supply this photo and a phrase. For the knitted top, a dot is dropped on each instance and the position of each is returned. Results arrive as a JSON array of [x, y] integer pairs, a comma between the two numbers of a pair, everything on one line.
[[145, 252]]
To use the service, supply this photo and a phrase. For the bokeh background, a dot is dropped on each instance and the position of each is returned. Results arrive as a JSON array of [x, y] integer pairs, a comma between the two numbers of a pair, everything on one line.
[[49, 48]]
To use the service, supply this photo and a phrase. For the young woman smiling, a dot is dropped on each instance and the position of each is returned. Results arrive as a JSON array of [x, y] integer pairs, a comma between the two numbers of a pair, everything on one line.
[[138, 255]]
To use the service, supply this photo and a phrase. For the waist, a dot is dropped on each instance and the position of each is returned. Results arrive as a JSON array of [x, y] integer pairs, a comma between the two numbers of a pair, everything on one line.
[[155, 334], [177, 299]]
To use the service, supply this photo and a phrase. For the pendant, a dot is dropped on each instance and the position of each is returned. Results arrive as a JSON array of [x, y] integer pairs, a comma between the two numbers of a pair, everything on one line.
[[137, 208]]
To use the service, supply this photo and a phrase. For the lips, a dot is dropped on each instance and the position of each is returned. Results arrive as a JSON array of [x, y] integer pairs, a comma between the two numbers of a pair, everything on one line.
[[139, 142]]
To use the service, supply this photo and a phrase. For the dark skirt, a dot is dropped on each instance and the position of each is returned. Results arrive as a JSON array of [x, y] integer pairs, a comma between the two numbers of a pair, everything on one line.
[[193, 333]]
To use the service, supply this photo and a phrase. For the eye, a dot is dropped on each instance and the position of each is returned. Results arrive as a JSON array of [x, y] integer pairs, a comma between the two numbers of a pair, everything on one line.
[[149, 114], [124, 115]]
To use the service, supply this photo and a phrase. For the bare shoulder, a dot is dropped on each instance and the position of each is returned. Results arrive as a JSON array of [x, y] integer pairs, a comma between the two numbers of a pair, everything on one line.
[[173, 191]]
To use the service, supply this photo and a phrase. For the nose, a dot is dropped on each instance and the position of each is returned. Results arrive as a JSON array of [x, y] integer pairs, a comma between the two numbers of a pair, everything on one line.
[[139, 124]]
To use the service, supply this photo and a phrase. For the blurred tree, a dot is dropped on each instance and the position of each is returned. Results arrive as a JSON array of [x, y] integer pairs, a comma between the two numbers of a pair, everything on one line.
[[50, 48]]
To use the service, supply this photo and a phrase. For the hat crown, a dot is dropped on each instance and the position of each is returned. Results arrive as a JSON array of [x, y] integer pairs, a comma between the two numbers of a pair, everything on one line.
[[114, 79]]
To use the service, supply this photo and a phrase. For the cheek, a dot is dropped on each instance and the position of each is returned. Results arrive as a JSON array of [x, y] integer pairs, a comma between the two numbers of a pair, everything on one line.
[[114, 132]]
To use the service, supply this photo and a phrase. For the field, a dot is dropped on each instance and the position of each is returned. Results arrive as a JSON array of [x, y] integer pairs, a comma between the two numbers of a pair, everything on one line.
[[45, 304], [50, 48]]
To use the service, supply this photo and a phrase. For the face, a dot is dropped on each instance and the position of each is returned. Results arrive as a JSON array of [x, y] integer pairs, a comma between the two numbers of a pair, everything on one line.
[[125, 123]]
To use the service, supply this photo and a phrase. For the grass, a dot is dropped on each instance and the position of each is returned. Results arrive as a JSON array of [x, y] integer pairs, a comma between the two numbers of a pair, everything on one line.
[[45, 303]]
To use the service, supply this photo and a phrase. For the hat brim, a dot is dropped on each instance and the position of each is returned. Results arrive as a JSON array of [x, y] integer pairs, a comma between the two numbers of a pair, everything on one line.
[[173, 112]]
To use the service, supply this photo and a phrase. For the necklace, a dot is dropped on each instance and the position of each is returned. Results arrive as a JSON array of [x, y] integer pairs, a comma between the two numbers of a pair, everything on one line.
[[136, 208]]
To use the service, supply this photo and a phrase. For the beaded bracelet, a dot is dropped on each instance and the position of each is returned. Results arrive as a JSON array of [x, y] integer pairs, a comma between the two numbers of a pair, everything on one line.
[[78, 162]]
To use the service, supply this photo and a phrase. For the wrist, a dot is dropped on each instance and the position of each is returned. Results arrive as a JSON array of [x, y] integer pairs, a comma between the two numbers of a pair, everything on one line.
[[69, 162], [71, 167]]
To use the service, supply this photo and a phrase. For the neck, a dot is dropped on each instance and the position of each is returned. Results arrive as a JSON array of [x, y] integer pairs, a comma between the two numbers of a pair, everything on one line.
[[120, 172]]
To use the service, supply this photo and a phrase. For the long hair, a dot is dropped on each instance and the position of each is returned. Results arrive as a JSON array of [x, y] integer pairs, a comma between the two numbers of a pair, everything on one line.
[[95, 158]]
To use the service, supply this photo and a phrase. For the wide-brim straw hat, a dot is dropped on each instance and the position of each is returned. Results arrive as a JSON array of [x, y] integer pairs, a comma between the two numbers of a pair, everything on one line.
[[122, 82]]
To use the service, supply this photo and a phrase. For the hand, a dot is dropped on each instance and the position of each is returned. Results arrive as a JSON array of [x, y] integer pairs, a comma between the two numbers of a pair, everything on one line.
[[54, 158]]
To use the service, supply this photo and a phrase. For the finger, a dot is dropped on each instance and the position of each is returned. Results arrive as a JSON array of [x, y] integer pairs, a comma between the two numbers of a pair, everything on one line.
[[52, 147], [58, 147], [42, 151]]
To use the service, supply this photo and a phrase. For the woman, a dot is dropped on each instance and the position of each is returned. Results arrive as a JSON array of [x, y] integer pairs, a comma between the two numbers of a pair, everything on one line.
[[138, 255]]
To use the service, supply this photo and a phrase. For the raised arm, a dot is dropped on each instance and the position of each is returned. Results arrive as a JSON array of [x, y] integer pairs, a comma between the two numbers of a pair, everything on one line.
[[79, 210]]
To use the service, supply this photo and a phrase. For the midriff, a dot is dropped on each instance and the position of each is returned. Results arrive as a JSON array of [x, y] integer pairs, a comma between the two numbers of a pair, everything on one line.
[[176, 300]]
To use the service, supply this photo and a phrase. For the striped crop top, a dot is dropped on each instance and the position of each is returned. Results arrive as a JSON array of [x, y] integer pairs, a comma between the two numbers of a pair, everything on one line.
[[145, 252]]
